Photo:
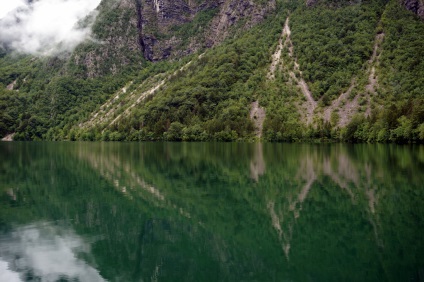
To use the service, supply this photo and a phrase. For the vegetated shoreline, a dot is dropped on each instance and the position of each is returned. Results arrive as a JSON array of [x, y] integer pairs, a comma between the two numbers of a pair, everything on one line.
[[248, 140]]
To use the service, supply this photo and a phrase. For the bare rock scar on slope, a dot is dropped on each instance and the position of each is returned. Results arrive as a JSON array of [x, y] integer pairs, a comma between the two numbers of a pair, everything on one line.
[[348, 108], [285, 43], [123, 102]]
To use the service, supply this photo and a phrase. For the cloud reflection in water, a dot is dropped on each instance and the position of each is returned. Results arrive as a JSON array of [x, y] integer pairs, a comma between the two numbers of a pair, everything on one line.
[[46, 252]]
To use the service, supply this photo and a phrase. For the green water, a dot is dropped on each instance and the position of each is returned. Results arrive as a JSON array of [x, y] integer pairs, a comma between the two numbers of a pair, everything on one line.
[[211, 212]]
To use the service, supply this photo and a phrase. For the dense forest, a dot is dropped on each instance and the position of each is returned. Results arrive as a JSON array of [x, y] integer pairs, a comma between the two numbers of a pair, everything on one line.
[[369, 52]]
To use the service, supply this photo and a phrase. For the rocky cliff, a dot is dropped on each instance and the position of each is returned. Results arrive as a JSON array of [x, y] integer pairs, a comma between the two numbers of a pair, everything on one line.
[[176, 28], [116, 42], [161, 23], [129, 31]]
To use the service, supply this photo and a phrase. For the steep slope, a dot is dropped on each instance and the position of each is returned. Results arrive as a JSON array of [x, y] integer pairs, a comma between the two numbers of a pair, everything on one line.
[[345, 107], [63, 90], [119, 106], [291, 66], [133, 30], [341, 70]]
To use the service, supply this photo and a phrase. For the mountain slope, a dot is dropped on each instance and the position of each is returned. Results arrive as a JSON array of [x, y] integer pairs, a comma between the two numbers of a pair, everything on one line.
[[322, 69]]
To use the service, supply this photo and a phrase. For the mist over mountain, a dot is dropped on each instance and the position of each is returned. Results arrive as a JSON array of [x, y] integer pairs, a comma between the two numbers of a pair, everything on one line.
[[46, 26]]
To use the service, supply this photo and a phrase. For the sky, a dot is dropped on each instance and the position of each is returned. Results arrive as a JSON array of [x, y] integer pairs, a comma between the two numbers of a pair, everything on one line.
[[44, 26]]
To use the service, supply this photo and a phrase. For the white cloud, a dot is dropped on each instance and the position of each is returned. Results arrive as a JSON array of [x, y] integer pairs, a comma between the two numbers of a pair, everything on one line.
[[8, 6], [44, 26]]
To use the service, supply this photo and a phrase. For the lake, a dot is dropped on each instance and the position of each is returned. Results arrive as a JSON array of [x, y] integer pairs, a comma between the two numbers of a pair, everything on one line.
[[211, 212]]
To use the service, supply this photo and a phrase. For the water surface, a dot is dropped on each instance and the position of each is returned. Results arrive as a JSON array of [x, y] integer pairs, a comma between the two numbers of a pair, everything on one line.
[[211, 212]]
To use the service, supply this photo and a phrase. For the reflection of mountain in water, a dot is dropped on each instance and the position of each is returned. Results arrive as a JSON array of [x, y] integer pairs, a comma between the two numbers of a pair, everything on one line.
[[257, 163], [315, 168], [227, 211], [368, 186]]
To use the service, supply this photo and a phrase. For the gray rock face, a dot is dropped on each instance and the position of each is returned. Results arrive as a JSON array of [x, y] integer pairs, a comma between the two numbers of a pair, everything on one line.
[[157, 20], [130, 30], [159, 17], [116, 40], [231, 12], [415, 6], [310, 3]]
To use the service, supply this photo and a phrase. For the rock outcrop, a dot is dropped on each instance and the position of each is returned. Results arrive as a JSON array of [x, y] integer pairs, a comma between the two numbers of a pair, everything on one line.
[[128, 31], [161, 18], [159, 21], [116, 41], [415, 6], [231, 12]]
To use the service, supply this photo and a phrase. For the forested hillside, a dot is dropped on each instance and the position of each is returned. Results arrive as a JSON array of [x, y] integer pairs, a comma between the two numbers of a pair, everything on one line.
[[283, 70]]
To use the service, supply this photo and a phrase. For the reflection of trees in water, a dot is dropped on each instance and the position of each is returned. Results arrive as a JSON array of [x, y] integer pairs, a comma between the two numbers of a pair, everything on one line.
[[304, 168], [284, 236], [119, 173], [315, 165], [160, 238], [198, 189], [125, 178]]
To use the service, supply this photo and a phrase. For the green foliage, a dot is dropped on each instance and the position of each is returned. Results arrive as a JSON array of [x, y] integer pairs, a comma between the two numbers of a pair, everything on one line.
[[211, 98], [195, 27], [332, 44], [47, 100], [282, 125], [402, 63], [400, 123], [12, 106]]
